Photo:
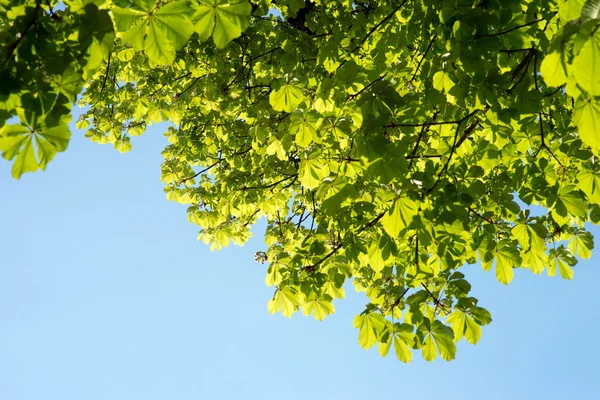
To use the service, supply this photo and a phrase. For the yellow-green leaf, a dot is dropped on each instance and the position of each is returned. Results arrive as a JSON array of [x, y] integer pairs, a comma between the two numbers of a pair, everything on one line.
[[586, 66], [287, 97], [587, 119], [399, 216], [552, 70], [225, 20]]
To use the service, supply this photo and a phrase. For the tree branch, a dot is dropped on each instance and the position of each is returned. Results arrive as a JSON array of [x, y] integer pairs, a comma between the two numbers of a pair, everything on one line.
[[544, 145], [390, 15], [271, 185], [423, 58], [201, 172], [509, 30], [13, 46]]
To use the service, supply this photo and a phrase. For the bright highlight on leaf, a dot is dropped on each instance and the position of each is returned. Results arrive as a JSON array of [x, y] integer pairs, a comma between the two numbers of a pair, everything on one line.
[[223, 19], [159, 30]]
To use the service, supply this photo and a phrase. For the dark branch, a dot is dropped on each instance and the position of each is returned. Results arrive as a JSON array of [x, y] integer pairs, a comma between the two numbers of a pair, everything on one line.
[[383, 21], [271, 185], [201, 172], [22, 35], [432, 123], [509, 30], [489, 221], [353, 96], [423, 58], [544, 145]]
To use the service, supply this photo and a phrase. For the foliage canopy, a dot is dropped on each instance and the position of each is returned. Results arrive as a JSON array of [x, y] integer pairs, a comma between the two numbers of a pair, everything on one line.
[[386, 142]]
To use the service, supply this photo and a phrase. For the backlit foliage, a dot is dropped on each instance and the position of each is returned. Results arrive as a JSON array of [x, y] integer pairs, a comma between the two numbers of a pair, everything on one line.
[[389, 143]]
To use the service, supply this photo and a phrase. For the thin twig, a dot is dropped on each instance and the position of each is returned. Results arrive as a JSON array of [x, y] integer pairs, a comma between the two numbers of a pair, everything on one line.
[[201, 172], [423, 58], [544, 145], [489, 221], [271, 185], [22, 35], [433, 122], [353, 96], [436, 301], [390, 15], [509, 30]]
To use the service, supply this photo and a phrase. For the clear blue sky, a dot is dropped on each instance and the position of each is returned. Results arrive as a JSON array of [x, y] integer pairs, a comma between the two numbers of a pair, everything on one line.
[[105, 294]]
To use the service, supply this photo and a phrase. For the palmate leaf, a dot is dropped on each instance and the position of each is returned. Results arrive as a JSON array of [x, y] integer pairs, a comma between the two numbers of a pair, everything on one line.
[[399, 216], [402, 336], [225, 20], [507, 257], [157, 30], [562, 260], [535, 260], [586, 66], [589, 183], [312, 172], [530, 236], [18, 142], [553, 70], [287, 300], [320, 305], [304, 127], [371, 326], [465, 325], [569, 201], [287, 97], [587, 118], [438, 338], [570, 9], [581, 244]]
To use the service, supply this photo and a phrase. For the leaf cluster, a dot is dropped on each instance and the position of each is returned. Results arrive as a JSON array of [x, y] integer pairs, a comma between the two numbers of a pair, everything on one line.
[[386, 143]]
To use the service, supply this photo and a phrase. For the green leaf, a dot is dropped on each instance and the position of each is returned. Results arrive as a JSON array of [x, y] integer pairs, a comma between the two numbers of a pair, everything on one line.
[[225, 20], [428, 350], [586, 66], [321, 306], [442, 81], [481, 315], [561, 259], [25, 161], [530, 236], [581, 244], [442, 337], [287, 300], [166, 28], [590, 10], [370, 327], [444, 340], [399, 216], [552, 70], [589, 183], [535, 260], [570, 200], [587, 118], [312, 172], [287, 97], [507, 258], [570, 9], [18, 141], [463, 324], [304, 127], [401, 347]]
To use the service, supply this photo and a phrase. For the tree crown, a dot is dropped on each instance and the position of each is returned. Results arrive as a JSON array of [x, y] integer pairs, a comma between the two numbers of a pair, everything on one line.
[[386, 142]]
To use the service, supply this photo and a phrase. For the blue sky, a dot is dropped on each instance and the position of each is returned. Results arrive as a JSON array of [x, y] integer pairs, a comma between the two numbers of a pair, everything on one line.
[[105, 294]]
